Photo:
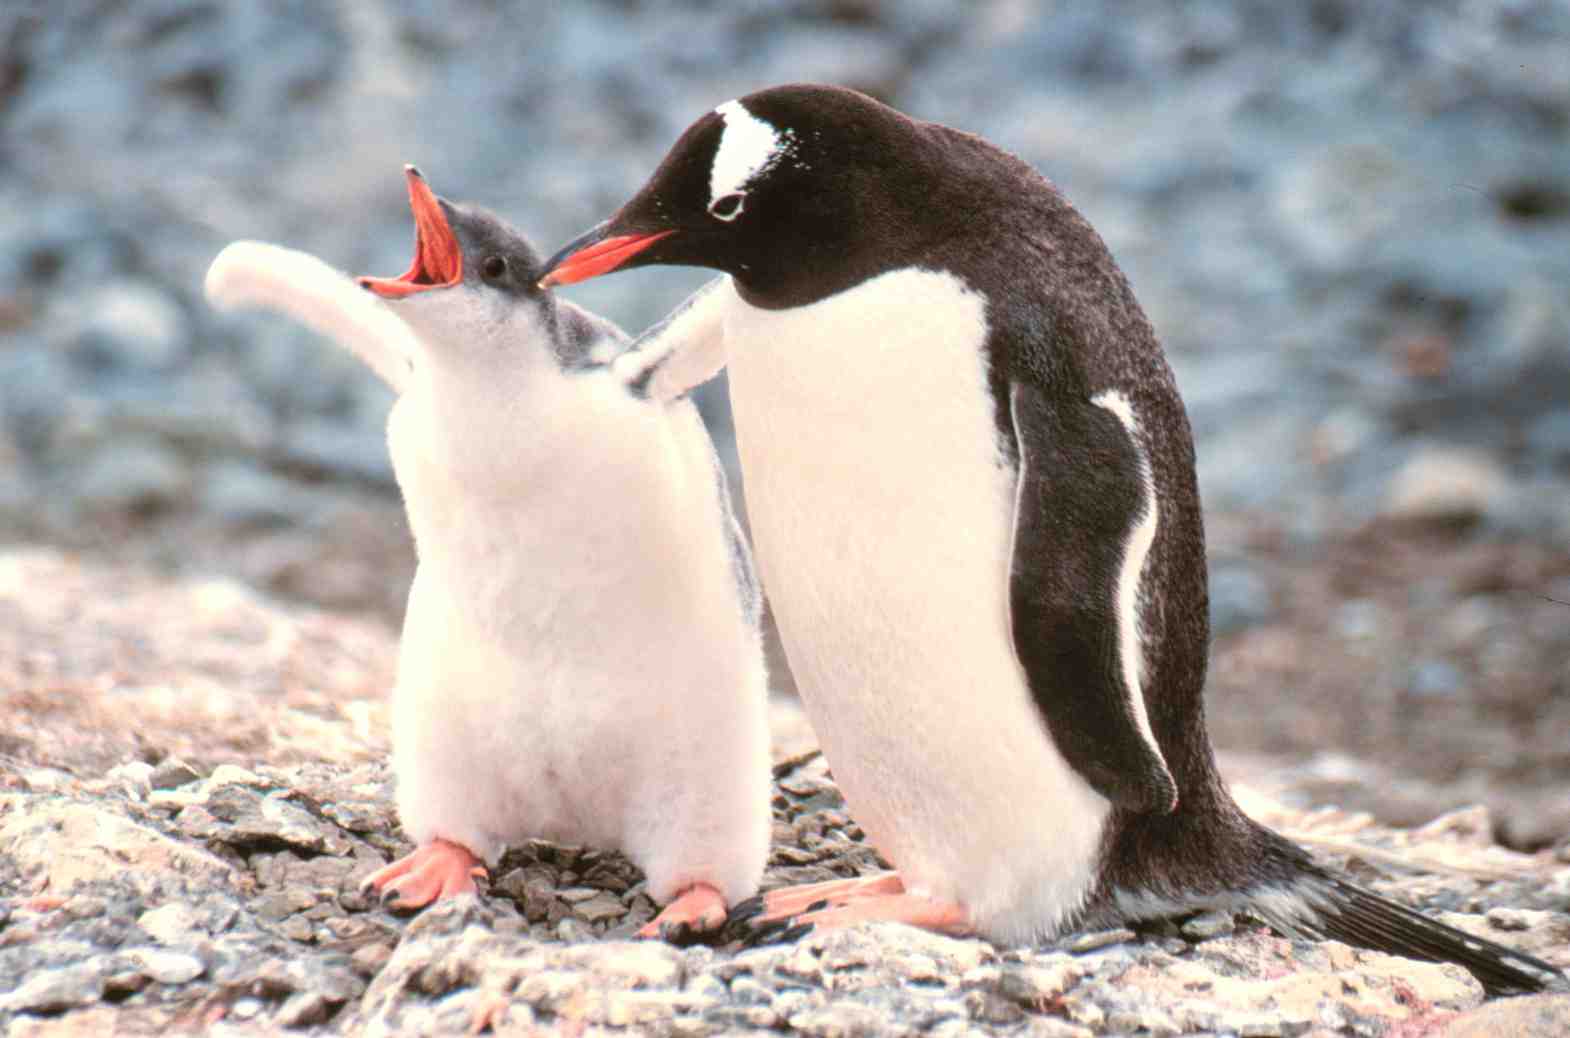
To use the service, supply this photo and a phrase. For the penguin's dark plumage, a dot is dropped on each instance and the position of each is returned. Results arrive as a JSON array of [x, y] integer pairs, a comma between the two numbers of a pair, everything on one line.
[[972, 488]]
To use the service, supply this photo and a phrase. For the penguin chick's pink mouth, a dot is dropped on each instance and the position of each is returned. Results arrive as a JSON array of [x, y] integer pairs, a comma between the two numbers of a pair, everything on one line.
[[601, 257], [438, 263]]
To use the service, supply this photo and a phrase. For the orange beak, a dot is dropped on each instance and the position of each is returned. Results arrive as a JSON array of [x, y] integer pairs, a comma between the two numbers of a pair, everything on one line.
[[593, 254], [438, 263]]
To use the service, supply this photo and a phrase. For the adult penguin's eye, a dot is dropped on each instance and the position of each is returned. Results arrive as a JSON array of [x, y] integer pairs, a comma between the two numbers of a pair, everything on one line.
[[728, 207], [493, 268]]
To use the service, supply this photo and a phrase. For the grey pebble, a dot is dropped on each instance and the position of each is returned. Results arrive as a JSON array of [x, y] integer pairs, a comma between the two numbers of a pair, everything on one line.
[[1089, 942], [172, 773], [166, 966], [56, 990]]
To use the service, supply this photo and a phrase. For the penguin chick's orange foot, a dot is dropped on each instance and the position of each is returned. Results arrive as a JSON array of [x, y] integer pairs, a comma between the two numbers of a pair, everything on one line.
[[698, 909], [439, 869]]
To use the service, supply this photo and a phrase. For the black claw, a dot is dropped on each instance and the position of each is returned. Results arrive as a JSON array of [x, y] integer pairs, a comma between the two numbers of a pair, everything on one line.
[[675, 933], [765, 934], [795, 933], [818, 905], [747, 909]]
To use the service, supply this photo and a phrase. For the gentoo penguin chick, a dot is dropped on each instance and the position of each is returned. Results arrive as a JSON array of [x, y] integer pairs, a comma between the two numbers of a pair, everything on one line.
[[971, 487], [580, 657]]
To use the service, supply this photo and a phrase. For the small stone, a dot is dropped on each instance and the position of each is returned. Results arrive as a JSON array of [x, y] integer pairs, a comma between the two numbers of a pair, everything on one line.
[[1089, 942], [172, 773], [172, 924], [132, 323], [549, 990], [246, 1008], [135, 775], [572, 931], [302, 1009], [369, 959], [197, 822], [1435, 679], [297, 928], [1528, 1016], [274, 906], [85, 906], [1147, 1020], [166, 966], [1206, 925], [1239, 598], [1035, 985], [1513, 919], [840, 1020], [992, 1009], [1052, 1027], [124, 983], [1447, 484], [233, 775], [600, 908], [641, 1008], [175, 799], [56, 990], [356, 816], [129, 474], [748, 992], [708, 988]]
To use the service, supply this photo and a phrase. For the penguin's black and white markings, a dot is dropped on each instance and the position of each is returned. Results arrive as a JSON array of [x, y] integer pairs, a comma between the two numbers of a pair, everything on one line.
[[971, 484], [580, 658]]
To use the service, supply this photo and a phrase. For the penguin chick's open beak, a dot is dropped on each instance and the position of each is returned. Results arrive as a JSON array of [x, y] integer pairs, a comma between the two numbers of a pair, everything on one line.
[[594, 253], [438, 262]]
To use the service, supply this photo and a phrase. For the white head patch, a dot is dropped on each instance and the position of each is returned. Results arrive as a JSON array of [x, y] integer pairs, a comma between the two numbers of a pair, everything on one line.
[[749, 147]]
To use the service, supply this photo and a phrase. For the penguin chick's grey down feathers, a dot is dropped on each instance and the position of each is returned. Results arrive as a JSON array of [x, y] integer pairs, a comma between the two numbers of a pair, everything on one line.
[[580, 658]]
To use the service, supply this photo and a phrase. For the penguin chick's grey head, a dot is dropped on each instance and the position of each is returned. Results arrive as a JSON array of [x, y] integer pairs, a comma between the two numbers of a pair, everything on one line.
[[471, 292], [793, 191]]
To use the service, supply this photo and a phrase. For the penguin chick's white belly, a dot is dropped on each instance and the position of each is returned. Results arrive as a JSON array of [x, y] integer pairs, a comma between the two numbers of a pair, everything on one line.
[[882, 519], [576, 662]]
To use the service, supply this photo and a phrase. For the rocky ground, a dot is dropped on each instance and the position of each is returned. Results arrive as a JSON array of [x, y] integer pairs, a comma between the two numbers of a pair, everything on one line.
[[193, 784], [1350, 224]]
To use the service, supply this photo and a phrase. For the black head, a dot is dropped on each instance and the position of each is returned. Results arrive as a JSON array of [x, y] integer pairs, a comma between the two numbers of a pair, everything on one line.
[[796, 191]]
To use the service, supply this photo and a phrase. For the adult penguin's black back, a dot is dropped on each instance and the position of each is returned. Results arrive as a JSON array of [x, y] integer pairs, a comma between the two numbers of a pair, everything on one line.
[[973, 497]]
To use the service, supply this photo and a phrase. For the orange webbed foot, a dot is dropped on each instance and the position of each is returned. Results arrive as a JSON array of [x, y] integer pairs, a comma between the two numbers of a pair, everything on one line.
[[436, 870], [698, 909], [791, 912]]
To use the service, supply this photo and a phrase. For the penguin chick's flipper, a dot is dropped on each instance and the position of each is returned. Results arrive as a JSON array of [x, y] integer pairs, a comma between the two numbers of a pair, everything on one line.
[[256, 274], [1085, 516], [698, 909], [439, 869], [683, 351]]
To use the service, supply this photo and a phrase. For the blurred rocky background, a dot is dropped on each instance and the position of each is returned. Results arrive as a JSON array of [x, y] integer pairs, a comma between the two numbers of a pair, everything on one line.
[[1349, 222]]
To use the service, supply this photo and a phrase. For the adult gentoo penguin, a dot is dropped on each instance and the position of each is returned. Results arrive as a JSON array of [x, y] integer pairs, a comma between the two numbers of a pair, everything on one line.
[[971, 487], [580, 657]]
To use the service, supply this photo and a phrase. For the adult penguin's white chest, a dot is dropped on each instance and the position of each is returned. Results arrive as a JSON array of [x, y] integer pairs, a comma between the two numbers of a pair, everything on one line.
[[882, 514]]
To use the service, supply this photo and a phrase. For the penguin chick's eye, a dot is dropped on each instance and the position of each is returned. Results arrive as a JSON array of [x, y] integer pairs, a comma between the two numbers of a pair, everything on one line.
[[493, 268], [728, 207]]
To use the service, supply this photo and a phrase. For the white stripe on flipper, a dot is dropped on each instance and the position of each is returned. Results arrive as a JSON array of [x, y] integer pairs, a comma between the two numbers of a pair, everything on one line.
[[1131, 642], [748, 147]]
